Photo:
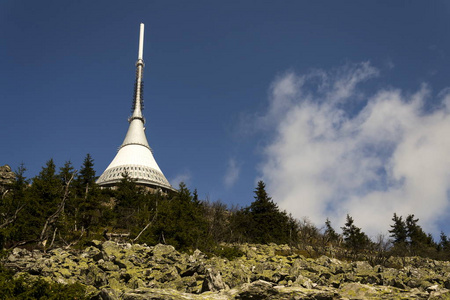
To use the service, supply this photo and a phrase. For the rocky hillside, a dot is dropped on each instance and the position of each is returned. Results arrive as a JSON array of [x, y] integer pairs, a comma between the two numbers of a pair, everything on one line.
[[124, 271]]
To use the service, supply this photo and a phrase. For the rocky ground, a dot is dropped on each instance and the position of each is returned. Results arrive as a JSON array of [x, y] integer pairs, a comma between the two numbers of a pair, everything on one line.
[[124, 271]]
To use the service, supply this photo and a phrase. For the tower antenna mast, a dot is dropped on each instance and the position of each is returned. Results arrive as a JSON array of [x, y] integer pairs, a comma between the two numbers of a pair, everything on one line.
[[135, 156]]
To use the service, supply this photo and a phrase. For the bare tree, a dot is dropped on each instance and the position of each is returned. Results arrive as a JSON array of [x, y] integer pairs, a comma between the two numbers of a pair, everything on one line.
[[54, 217]]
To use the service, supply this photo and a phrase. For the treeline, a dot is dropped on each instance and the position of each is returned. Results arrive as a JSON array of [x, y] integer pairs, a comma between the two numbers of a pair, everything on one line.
[[65, 208]]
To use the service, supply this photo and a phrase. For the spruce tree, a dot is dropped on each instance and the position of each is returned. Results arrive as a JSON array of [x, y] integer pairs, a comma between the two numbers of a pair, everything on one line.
[[354, 238], [86, 176], [399, 231], [181, 222], [419, 242], [88, 196], [267, 223], [444, 244], [66, 172], [330, 234]]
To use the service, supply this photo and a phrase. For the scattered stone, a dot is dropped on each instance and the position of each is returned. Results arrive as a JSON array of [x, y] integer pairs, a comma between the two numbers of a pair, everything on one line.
[[112, 270]]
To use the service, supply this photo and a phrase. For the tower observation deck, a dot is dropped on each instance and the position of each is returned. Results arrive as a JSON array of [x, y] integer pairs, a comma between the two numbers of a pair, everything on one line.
[[135, 156]]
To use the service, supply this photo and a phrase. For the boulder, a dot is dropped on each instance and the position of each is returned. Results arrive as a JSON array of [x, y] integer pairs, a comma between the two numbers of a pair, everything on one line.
[[112, 270], [259, 289], [213, 281], [7, 177]]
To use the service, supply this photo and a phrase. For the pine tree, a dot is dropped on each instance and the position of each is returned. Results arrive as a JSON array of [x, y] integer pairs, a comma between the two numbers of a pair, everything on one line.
[[420, 243], [128, 196], [68, 215], [47, 185], [86, 177], [399, 231], [330, 234], [181, 222], [66, 172], [354, 238], [267, 223], [88, 196], [444, 244], [21, 182], [12, 207]]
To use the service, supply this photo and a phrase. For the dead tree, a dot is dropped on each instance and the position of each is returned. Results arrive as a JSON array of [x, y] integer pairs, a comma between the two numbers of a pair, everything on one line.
[[54, 217], [148, 224]]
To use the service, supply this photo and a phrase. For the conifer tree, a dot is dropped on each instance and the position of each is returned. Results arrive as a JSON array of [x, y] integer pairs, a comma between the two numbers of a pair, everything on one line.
[[47, 185], [267, 223], [181, 222], [399, 231], [88, 196], [444, 244], [12, 207], [419, 242], [330, 233], [86, 176], [42, 201], [65, 173], [68, 218], [354, 238], [128, 196], [21, 182]]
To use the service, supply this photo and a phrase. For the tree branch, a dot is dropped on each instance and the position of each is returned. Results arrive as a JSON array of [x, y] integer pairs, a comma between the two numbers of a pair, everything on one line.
[[148, 224], [11, 219], [52, 219]]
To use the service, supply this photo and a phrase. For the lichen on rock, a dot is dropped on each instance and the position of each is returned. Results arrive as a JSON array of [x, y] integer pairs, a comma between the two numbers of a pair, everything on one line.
[[113, 270]]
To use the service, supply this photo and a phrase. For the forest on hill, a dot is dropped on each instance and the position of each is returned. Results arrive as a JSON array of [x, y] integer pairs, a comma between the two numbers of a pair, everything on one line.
[[62, 207]]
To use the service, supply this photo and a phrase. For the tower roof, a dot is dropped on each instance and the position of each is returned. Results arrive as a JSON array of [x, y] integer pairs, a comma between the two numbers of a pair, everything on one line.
[[135, 156]]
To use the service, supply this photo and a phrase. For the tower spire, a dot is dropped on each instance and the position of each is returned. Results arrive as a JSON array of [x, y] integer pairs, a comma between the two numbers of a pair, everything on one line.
[[135, 155], [138, 100]]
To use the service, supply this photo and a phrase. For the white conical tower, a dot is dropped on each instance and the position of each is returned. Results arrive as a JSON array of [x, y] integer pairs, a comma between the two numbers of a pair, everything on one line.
[[135, 155]]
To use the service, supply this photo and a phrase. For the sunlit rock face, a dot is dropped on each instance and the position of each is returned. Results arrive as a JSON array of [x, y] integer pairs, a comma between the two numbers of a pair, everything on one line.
[[112, 270], [6, 178]]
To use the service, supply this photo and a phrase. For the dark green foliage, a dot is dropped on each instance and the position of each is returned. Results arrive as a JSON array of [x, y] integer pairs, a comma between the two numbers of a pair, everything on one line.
[[398, 232], [21, 288], [444, 243], [40, 201], [47, 185], [419, 242], [86, 177], [354, 238], [19, 185], [444, 246], [410, 239], [330, 234], [76, 210], [86, 206], [66, 172], [263, 222], [11, 206], [181, 222], [128, 197]]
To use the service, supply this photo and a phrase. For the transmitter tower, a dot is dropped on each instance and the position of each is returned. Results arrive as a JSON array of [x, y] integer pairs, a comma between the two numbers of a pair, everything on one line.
[[135, 156]]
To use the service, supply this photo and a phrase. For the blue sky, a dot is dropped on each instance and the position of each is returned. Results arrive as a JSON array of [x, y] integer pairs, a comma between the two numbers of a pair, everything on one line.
[[297, 93]]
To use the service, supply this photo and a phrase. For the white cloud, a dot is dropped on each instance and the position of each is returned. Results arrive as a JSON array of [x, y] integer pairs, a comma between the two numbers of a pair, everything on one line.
[[181, 177], [232, 173], [327, 159]]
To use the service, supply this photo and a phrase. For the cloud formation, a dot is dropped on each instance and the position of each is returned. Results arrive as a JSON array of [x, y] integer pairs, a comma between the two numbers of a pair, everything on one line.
[[232, 173], [184, 177], [337, 151]]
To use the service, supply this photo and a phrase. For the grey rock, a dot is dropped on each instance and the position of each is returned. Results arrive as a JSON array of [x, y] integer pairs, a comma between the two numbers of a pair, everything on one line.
[[7, 177], [114, 270], [259, 289], [213, 281]]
